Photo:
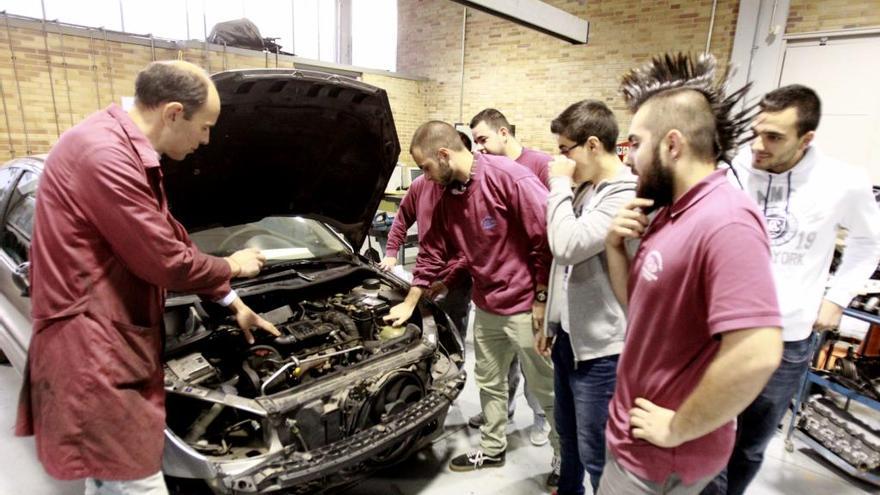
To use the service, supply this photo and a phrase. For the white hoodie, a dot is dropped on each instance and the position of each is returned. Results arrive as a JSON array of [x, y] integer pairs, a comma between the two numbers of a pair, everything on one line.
[[803, 209]]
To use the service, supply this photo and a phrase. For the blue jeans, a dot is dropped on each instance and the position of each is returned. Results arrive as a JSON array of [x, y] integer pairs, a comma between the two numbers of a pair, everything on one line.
[[583, 391], [756, 425]]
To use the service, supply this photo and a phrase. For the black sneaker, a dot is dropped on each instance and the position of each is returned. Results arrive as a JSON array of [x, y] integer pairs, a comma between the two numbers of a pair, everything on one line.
[[474, 460], [478, 420], [553, 477]]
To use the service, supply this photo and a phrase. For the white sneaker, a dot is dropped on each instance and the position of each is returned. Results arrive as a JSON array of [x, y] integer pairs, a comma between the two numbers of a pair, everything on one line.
[[553, 477], [539, 434]]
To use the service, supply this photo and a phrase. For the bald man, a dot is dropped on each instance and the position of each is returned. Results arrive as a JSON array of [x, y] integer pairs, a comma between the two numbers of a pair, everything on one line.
[[105, 250]]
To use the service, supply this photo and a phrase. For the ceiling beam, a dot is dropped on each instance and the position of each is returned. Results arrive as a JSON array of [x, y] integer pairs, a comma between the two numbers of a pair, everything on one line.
[[537, 15]]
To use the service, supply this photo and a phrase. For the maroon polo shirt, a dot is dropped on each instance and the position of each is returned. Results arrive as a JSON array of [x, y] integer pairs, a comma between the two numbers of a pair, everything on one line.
[[702, 269], [499, 225], [538, 162]]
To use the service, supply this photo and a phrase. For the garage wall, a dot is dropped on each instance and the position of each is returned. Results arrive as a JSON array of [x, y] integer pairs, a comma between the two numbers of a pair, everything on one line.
[[827, 15], [532, 77], [98, 73], [407, 99]]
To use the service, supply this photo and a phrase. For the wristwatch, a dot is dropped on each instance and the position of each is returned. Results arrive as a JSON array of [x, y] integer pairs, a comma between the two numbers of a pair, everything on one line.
[[541, 295]]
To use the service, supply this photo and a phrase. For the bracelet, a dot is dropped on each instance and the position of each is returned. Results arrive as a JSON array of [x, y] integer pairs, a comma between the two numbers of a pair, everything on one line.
[[228, 299]]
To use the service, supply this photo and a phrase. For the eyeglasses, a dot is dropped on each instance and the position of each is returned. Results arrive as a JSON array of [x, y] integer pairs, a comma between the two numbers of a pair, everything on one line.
[[565, 150]]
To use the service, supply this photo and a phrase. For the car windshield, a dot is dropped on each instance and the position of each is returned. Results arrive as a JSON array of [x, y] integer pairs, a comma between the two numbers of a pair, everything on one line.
[[279, 238]]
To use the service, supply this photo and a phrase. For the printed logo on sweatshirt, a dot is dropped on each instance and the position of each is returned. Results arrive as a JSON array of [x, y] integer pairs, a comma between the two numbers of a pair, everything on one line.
[[653, 266], [781, 226], [488, 223]]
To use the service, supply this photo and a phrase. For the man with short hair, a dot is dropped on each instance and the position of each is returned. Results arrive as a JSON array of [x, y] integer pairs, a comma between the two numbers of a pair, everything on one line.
[[452, 292], [493, 135], [583, 315], [105, 250], [805, 197], [703, 325], [492, 211]]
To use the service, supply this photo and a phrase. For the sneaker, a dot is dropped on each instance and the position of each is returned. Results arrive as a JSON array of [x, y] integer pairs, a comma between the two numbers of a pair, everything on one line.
[[478, 420], [474, 460], [553, 477], [539, 434]]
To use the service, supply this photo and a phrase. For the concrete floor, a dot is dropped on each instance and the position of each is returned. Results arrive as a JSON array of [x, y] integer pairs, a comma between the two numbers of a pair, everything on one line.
[[796, 473]]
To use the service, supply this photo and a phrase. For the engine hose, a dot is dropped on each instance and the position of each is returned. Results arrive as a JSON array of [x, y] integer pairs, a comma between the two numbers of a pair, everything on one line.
[[348, 325], [200, 426]]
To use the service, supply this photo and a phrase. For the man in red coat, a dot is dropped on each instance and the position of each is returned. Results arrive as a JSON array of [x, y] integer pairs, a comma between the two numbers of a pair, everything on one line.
[[105, 249]]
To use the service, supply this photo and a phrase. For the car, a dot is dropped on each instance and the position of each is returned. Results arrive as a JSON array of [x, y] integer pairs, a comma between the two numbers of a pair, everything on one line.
[[297, 165]]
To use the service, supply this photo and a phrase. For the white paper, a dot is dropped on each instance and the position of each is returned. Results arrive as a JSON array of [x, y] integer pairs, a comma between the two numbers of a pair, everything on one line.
[[402, 273], [287, 254]]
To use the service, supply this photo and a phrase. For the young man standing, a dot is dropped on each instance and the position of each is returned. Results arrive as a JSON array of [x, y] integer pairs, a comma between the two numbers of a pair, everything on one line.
[[492, 135], [583, 315], [703, 330], [805, 197], [493, 212]]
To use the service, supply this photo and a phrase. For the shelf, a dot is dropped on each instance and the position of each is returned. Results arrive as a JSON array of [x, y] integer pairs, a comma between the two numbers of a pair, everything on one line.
[[861, 315], [812, 377], [836, 460]]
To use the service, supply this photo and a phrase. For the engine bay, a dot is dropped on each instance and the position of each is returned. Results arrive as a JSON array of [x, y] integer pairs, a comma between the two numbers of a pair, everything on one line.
[[337, 369]]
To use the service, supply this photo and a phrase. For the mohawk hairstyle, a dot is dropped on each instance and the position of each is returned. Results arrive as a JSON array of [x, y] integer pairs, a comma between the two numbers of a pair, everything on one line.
[[667, 73]]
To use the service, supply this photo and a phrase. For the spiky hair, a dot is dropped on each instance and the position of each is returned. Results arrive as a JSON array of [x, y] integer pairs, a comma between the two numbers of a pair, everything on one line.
[[670, 72]]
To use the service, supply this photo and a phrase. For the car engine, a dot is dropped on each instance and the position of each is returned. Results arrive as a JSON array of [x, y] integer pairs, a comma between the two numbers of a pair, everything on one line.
[[337, 369]]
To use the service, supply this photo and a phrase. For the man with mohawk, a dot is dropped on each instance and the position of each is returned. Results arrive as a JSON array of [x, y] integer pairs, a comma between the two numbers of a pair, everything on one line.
[[703, 332]]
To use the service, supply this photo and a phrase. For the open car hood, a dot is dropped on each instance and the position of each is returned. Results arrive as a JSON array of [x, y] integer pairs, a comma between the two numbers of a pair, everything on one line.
[[289, 142]]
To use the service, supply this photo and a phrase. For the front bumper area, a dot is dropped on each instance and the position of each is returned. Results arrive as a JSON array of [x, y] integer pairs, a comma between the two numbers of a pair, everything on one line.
[[342, 462]]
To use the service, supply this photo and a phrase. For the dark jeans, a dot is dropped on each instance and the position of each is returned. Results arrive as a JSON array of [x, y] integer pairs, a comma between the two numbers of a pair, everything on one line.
[[583, 391], [755, 426]]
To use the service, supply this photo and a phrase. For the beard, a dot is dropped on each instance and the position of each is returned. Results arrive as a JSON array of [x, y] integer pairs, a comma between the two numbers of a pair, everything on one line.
[[776, 163], [444, 172], [656, 183]]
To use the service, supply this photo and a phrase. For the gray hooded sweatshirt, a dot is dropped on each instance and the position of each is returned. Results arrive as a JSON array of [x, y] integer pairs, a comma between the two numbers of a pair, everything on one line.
[[577, 223]]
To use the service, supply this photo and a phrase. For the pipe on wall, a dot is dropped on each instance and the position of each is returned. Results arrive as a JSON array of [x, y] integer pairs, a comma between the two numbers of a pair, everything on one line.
[[711, 26], [109, 66], [205, 54], [6, 117], [27, 136], [94, 68], [461, 80], [49, 67], [66, 77]]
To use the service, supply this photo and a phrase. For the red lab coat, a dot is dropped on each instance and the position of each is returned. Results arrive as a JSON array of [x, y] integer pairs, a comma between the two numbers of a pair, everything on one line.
[[104, 250]]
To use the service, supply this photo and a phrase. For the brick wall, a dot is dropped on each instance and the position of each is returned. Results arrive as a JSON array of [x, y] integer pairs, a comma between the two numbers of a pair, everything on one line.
[[529, 76], [89, 74], [407, 98], [532, 77], [806, 16]]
